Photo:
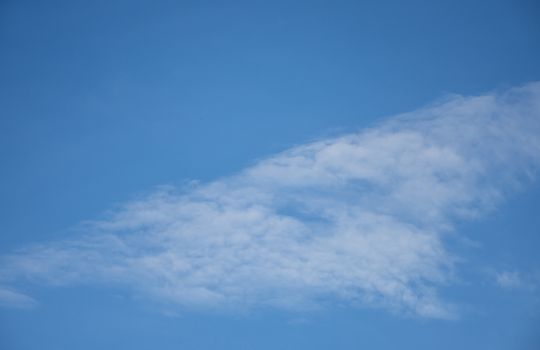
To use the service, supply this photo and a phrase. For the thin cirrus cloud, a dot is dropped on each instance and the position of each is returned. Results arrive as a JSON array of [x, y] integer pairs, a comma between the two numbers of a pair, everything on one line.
[[12, 298], [510, 280], [518, 280], [360, 219]]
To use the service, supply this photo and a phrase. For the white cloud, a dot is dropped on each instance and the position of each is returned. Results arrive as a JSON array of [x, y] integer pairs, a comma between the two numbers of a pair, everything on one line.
[[516, 280], [359, 218], [507, 279], [11, 298]]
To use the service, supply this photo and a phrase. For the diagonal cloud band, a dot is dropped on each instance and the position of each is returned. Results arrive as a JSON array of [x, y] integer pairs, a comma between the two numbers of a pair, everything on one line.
[[360, 218]]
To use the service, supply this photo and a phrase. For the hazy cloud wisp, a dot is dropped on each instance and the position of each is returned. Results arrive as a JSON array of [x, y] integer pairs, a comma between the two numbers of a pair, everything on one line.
[[359, 218]]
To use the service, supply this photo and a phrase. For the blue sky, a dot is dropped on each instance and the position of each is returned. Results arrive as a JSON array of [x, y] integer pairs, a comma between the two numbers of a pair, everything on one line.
[[262, 175]]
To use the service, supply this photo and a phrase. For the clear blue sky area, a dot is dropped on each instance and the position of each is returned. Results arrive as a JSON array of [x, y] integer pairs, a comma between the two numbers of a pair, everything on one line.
[[103, 101]]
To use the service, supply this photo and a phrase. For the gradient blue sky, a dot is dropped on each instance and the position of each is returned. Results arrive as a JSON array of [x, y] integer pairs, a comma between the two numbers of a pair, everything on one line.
[[103, 102]]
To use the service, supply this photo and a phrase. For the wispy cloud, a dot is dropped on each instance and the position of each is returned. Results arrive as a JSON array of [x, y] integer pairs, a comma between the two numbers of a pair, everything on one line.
[[509, 279], [12, 298], [359, 218], [517, 280]]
